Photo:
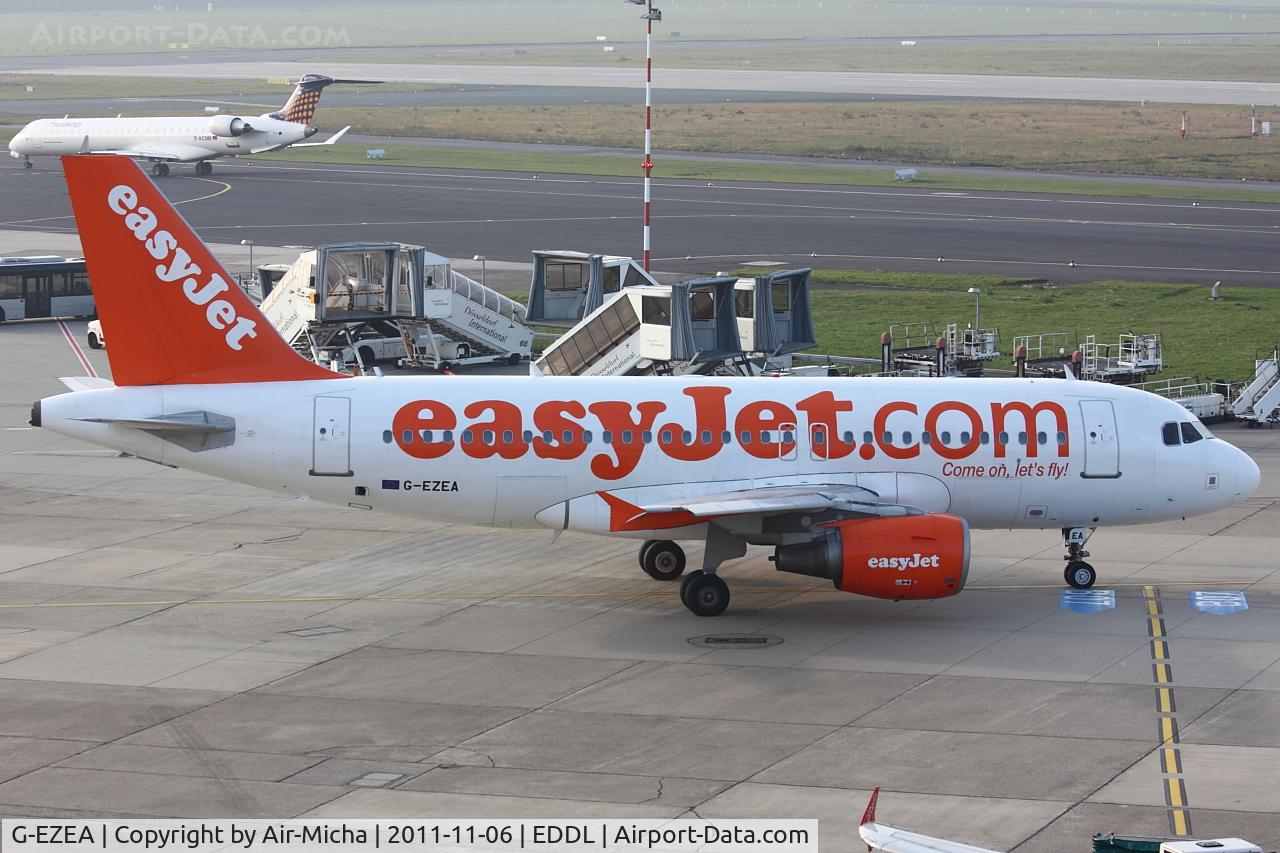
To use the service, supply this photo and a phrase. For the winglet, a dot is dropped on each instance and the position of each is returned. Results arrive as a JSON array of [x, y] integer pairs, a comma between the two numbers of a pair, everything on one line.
[[173, 312], [869, 816]]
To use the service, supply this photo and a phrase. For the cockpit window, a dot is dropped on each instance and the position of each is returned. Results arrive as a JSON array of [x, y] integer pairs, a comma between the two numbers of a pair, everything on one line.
[[1171, 437], [1189, 433]]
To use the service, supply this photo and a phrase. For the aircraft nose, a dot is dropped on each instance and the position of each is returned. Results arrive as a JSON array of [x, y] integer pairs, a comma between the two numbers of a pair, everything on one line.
[[1248, 475]]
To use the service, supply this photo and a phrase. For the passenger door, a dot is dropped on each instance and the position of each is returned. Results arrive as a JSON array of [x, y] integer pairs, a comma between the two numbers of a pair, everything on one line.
[[1101, 443], [331, 438]]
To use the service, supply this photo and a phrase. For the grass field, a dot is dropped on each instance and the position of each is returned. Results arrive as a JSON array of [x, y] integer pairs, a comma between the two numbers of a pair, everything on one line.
[[1211, 340], [710, 170], [1204, 58], [1047, 135], [79, 27]]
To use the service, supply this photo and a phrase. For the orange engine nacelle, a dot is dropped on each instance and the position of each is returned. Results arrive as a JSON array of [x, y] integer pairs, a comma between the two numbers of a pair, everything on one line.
[[912, 556]]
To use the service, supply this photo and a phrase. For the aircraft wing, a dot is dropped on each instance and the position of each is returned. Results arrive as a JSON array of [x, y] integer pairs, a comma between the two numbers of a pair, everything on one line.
[[659, 515], [165, 152], [882, 836]]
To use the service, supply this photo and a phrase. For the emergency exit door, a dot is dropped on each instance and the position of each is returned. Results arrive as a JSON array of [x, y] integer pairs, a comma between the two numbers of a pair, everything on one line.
[[331, 438], [1101, 443]]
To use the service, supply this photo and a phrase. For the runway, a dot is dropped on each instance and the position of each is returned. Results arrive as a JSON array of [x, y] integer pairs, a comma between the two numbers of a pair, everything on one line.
[[724, 81], [701, 228]]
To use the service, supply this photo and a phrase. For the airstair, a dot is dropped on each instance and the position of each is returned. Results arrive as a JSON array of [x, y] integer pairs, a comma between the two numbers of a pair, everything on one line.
[[715, 325], [352, 301], [1259, 401]]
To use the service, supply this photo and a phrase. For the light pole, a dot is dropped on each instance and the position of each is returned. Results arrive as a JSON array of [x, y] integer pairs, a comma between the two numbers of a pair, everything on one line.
[[651, 14], [253, 273], [977, 308], [481, 259]]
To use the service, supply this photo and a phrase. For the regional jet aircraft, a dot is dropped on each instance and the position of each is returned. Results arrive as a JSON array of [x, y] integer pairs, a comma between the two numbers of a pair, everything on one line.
[[872, 484], [182, 139]]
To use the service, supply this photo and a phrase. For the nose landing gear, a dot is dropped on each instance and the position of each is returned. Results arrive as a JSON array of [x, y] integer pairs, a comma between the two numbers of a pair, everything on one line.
[[1078, 574]]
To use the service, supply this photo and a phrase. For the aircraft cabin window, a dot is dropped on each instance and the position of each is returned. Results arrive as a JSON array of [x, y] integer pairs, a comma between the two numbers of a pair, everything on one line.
[[548, 436], [567, 437], [687, 437], [788, 437], [665, 436], [407, 437], [527, 435], [819, 437], [964, 438], [586, 436], [706, 436], [726, 437], [447, 436], [487, 436], [508, 437], [425, 434], [745, 437], [607, 437], [926, 437], [984, 437], [765, 437], [906, 437], [945, 437], [1062, 439], [1171, 436], [867, 437], [387, 437], [646, 437], [626, 436], [1042, 438], [1190, 434], [1022, 439], [1002, 438], [466, 436], [848, 437]]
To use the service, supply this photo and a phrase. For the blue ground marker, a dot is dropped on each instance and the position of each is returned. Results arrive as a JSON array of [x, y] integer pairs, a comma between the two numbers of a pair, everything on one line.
[[1219, 603], [1087, 600]]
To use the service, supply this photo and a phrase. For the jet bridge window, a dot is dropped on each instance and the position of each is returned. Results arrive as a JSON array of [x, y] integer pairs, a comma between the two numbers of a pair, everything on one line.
[[565, 276], [612, 279], [744, 303], [655, 310], [703, 305], [1171, 436]]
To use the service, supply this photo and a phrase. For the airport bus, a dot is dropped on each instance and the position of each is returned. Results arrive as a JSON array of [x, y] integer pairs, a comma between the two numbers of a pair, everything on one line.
[[44, 286]]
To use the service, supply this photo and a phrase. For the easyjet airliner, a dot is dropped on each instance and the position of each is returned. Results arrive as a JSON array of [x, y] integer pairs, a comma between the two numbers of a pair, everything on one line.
[[873, 484]]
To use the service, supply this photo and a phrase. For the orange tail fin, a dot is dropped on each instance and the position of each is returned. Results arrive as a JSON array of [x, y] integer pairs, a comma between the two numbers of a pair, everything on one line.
[[173, 314]]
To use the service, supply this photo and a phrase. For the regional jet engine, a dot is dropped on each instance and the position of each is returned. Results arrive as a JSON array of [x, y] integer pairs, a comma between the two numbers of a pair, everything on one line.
[[228, 126]]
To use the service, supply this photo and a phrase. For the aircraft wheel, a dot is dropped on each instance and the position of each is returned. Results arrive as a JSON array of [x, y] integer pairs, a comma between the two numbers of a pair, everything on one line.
[[662, 560], [644, 546], [94, 343], [704, 594], [1080, 575], [204, 167], [514, 359], [464, 351], [27, 164]]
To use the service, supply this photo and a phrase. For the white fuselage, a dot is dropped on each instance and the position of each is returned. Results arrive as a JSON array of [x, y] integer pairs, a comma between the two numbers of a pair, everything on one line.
[[177, 138], [475, 450]]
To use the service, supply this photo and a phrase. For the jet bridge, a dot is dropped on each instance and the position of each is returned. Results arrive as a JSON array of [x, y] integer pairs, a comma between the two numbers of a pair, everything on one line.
[[652, 329], [567, 286], [340, 294], [774, 314]]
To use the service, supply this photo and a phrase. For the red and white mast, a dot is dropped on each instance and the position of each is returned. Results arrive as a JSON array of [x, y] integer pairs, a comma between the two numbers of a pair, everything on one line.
[[651, 15]]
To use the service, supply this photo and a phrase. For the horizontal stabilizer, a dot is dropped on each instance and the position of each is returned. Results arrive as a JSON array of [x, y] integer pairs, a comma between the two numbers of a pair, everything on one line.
[[331, 140], [190, 422], [86, 383]]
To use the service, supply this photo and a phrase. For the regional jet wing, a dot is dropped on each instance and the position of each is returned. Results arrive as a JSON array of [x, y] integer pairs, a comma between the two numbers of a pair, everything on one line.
[[658, 515], [166, 152]]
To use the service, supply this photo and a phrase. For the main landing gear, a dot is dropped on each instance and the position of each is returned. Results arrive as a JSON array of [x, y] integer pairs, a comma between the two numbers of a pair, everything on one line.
[[1078, 574], [704, 593], [204, 167], [159, 170]]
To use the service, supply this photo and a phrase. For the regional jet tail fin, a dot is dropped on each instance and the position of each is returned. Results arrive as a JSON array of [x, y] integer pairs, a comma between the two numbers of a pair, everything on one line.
[[301, 106], [174, 314]]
